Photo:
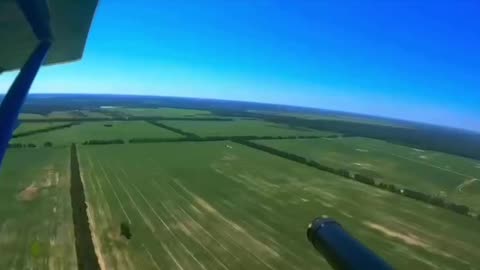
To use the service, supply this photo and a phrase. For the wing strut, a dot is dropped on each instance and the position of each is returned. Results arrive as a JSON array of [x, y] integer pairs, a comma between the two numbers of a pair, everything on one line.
[[36, 13]]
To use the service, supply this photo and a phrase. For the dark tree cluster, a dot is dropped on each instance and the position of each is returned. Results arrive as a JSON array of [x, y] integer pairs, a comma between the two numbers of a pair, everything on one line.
[[101, 142], [125, 230], [22, 145], [48, 144], [364, 179]]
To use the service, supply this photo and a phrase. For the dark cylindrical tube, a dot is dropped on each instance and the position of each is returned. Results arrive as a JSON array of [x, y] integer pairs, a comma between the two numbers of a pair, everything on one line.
[[342, 251]]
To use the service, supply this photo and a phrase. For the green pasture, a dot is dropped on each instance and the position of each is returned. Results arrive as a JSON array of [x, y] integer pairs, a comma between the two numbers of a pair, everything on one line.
[[220, 205], [108, 130], [241, 127], [30, 116], [451, 177], [36, 229], [163, 112]]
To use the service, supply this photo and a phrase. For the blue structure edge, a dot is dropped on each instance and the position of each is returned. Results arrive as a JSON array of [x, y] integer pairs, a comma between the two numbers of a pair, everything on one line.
[[16, 95]]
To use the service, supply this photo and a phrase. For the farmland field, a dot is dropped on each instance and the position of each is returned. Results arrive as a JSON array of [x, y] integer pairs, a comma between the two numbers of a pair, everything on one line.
[[335, 117], [99, 131], [29, 116], [76, 114], [242, 127], [451, 177], [36, 230], [164, 112], [220, 205]]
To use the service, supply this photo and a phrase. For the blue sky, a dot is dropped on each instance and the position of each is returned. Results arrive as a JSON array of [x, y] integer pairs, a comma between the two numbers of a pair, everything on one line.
[[401, 59]]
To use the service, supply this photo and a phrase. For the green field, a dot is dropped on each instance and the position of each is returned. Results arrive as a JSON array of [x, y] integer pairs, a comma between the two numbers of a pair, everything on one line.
[[29, 116], [26, 127], [451, 177], [345, 118], [98, 131], [76, 114], [36, 230], [163, 112], [242, 127], [219, 205]]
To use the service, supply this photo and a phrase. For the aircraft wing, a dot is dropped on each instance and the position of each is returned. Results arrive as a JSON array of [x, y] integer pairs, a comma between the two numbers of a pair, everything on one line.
[[35, 33], [69, 22]]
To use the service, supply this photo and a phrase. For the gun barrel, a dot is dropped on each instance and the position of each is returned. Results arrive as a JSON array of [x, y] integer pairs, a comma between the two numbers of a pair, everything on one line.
[[342, 251]]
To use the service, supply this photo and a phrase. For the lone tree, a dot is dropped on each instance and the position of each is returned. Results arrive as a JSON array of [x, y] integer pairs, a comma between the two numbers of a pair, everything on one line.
[[48, 144], [125, 230]]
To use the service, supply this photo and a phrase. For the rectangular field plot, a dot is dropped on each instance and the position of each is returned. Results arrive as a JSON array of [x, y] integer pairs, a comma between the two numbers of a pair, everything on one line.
[[218, 205], [110, 130], [165, 112], [36, 230], [241, 127], [30, 116], [451, 177], [77, 114]]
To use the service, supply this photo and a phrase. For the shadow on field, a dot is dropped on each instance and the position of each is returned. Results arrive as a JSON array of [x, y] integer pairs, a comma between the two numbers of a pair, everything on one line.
[[86, 257]]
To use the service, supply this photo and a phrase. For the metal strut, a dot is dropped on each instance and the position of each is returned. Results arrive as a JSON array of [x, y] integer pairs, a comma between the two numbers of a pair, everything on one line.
[[14, 99], [37, 14]]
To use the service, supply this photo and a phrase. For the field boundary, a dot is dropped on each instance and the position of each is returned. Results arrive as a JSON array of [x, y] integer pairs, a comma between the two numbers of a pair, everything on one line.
[[42, 130], [84, 247], [219, 138], [418, 196], [176, 130]]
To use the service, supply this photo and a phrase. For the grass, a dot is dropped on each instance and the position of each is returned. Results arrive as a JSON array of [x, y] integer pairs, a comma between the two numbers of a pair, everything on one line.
[[76, 114], [36, 230], [241, 127], [98, 131], [217, 205], [28, 116], [452, 177]]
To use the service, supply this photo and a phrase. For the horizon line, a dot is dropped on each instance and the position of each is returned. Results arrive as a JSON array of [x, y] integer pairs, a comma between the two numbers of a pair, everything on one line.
[[383, 117]]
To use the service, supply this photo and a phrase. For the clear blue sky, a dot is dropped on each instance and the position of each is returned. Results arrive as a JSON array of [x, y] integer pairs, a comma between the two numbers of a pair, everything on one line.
[[400, 59]]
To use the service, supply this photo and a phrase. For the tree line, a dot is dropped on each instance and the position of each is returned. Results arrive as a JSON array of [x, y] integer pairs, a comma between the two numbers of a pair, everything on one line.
[[416, 195], [100, 142], [122, 117], [28, 145], [87, 259], [159, 140], [42, 130], [176, 130]]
